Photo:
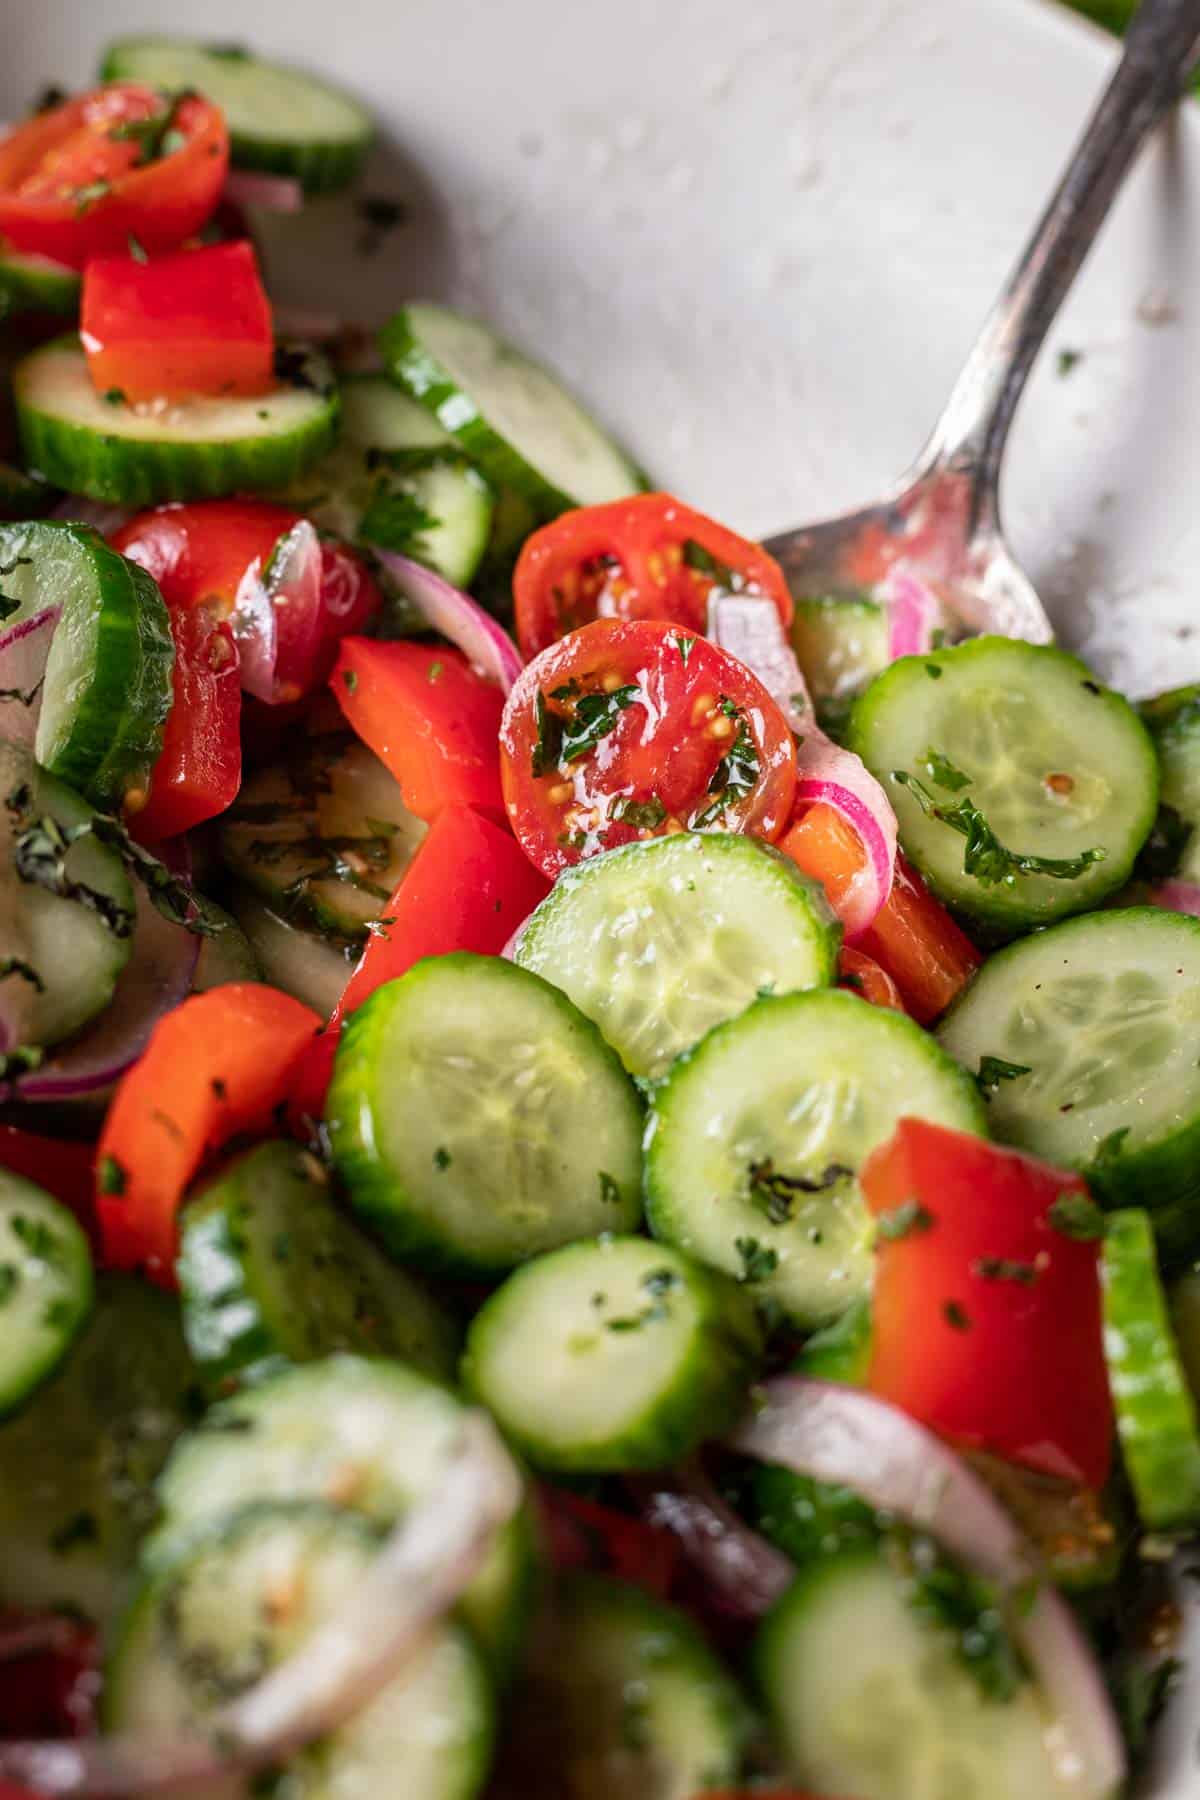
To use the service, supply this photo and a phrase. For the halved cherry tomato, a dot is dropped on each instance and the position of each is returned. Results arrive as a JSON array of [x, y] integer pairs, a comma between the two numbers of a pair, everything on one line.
[[648, 557], [425, 713], [468, 887], [218, 1065], [633, 729], [199, 768], [583, 1534], [986, 1320], [863, 975], [913, 936], [61, 1166], [49, 1679], [195, 322], [77, 181]]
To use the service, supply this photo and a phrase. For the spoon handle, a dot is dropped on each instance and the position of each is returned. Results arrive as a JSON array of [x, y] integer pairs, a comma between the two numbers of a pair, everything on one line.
[[970, 436]]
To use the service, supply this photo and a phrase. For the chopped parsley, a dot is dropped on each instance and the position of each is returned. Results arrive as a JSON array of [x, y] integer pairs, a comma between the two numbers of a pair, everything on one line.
[[36, 1238], [993, 1070], [442, 1157], [16, 965], [111, 1176], [549, 738], [969, 1609], [136, 248], [758, 1260], [350, 681], [956, 1316], [592, 717], [87, 196], [1066, 361], [610, 1192], [1142, 1692], [696, 557], [379, 215], [1077, 1216], [155, 137], [901, 1221], [20, 1061], [114, 396], [934, 671], [943, 773], [985, 857], [735, 776], [685, 646], [657, 1284], [395, 520], [1002, 1268], [644, 815], [1109, 1149], [775, 1194], [10, 1281]]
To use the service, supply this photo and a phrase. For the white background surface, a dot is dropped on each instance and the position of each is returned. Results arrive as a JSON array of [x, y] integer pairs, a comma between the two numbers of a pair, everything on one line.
[[759, 236]]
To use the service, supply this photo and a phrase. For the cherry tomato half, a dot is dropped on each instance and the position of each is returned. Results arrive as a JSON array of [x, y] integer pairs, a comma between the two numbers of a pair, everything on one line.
[[634, 729], [77, 181], [648, 557]]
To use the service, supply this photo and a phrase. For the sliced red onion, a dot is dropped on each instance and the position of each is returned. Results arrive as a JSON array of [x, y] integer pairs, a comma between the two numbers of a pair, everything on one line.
[[843, 1436], [24, 648], [1177, 896], [302, 322], [104, 519], [418, 1575], [751, 629], [914, 612], [156, 979], [745, 1575], [485, 644], [270, 193], [277, 618]]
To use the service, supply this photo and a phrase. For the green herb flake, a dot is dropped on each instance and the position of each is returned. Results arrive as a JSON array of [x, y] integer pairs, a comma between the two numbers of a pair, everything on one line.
[[968, 1609], [735, 776], [111, 1175], [442, 1157], [1002, 1268], [643, 815], [610, 1192], [1077, 1216], [933, 670], [992, 863], [395, 520], [114, 396], [758, 1260], [592, 718], [775, 1193], [81, 1528], [943, 773], [136, 248], [902, 1221], [1109, 1149], [36, 1239], [548, 746], [1066, 361], [1142, 1692], [350, 680], [10, 1281], [993, 1070], [956, 1316], [436, 671], [685, 646], [87, 196]]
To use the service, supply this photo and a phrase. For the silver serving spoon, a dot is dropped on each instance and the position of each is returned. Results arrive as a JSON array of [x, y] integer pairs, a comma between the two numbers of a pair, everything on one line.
[[943, 519]]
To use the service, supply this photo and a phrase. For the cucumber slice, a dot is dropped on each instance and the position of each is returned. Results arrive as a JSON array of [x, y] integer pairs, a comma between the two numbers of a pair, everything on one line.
[[611, 1355], [1101, 1012], [807, 1519], [397, 481], [840, 1351], [225, 957], [107, 688], [659, 941], [870, 1698], [367, 1435], [1156, 1414], [62, 951], [280, 120], [245, 1596], [1057, 766], [36, 284], [623, 1697], [80, 1459], [310, 967], [510, 416], [841, 645], [755, 1137], [324, 835], [477, 1118], [271, 1272], [45, 1287], [138, 455], [1174, 723]]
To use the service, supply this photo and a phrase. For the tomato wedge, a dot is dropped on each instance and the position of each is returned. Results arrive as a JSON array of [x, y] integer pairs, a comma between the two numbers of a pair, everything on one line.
[[649, 557], [986, 1321], [863, 975], [633, 729], [199, 768], [429, 717], [79, 180], [218, 1065], [195, 322]]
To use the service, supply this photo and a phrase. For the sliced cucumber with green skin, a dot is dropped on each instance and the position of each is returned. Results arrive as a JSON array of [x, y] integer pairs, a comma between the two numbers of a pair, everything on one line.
[[840, 1351], [869, 1698], [368, 1435], [1020, 741], [660, 941], [80, 1459], [324, 835], [36, 284], [246, 1595], [272, 1272], [1156, 1413], [397, 481], [477, 1118], [613, 1354], [755, 1138], [107, 688], [622, 1697], [1174, 722], [841, 645], [281, 121], [45, 1287], [1102, 1014], [309, 965], [225, 956], [137, 456], [60, 952], [511, 417]]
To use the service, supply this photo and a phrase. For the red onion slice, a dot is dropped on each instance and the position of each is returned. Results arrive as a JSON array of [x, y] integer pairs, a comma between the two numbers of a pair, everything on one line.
[[102, 518], [277, 618], [914, 613], [418, 1575], [1177, 896], [744, 1574], [751, 630], [270, 193], [840, 1435], [313, 326], [24, 648], [484, 643]]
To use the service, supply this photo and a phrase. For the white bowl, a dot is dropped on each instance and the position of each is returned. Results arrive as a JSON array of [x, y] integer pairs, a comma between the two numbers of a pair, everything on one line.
[[759, 238]]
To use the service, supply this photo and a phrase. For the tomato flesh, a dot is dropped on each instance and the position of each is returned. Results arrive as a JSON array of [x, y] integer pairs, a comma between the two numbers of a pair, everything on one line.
[[863, 975], [199, 768], [60, 1165], [648, 557], [77, 181], [634, 729], [195, 322], [986, 1322]]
